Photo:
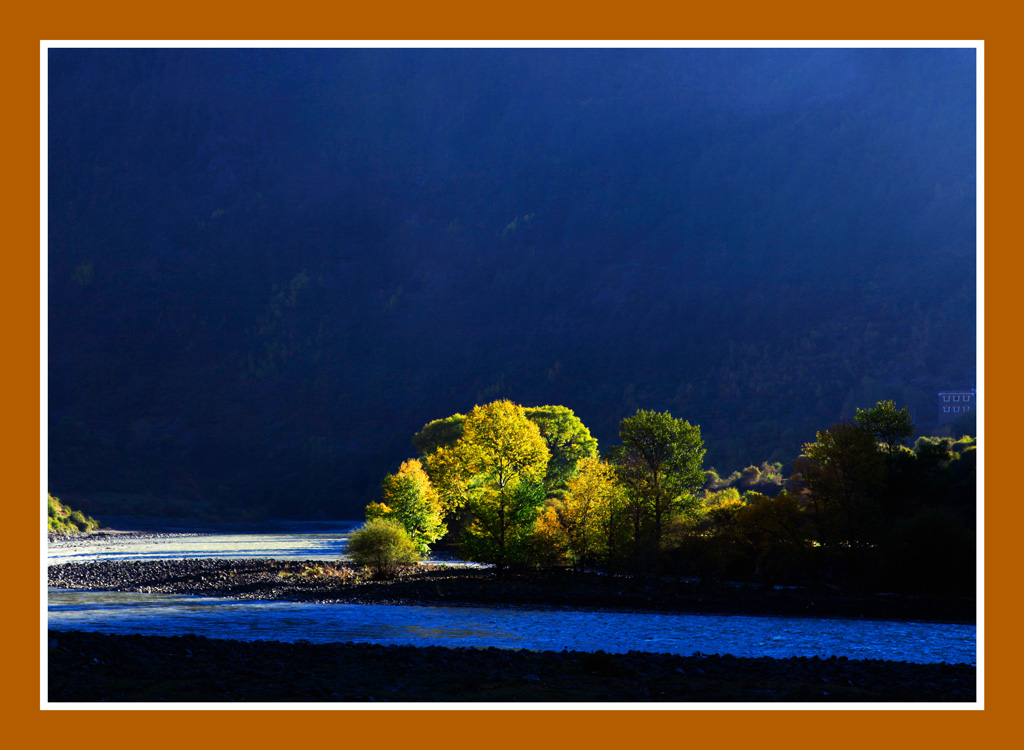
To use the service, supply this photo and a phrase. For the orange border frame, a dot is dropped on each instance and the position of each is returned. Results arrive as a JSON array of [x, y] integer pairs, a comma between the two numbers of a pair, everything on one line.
[[528, 20]]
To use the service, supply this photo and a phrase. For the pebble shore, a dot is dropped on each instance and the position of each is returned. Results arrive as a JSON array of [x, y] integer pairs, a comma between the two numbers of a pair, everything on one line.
[[93, 667], [448, 584]]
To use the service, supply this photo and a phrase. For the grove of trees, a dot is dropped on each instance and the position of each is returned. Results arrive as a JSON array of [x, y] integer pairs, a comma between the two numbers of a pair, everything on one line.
[[525, 487]]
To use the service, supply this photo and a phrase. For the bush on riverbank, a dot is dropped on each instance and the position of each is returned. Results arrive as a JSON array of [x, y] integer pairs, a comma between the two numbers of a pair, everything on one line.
[[63, 520], [383, 545]]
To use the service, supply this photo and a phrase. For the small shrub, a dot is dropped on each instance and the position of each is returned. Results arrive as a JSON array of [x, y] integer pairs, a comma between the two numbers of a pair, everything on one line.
[[749, 477], [82, 522], [382, 545]]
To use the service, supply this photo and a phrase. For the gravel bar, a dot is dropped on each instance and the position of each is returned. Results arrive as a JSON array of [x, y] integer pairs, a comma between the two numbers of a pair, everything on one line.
[[441, 584]]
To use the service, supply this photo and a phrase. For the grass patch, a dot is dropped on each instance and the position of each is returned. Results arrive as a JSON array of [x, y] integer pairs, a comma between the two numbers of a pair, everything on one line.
[[322, 570]]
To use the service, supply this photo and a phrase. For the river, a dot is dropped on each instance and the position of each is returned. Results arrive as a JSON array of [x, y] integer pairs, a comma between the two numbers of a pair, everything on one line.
[[615, 632]]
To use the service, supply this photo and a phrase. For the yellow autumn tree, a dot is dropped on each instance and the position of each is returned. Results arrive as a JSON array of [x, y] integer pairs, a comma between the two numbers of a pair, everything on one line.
[[450, 475], [410, 499], [498, 468], [588, 504], [720, 508], [549, 540]]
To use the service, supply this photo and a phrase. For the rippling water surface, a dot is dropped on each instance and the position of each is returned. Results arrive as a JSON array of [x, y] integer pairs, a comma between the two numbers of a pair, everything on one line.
[[169, 614]]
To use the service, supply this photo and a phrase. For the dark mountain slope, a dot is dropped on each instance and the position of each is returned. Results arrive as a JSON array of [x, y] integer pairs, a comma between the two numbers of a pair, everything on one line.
[[268, 268]]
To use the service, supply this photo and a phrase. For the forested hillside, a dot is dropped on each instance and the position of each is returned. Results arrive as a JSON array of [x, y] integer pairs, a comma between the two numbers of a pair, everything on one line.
[[269, 268]]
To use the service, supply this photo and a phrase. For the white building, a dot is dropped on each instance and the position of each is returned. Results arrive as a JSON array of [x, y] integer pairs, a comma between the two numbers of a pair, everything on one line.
[[954, 403]]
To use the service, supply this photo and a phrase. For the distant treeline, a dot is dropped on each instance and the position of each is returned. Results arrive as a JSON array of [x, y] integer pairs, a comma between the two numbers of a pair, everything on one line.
[[526, 487]]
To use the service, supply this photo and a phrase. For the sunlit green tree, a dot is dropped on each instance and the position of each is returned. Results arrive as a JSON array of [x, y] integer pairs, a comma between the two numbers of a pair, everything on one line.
[[891, 426], [568, 441], [439, 433], [501, 524], [660, 466], [493, 472]]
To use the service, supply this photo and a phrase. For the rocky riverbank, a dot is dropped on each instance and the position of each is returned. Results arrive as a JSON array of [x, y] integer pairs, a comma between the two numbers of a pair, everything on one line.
[[445, 584], [91, 667], [90, 539]]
